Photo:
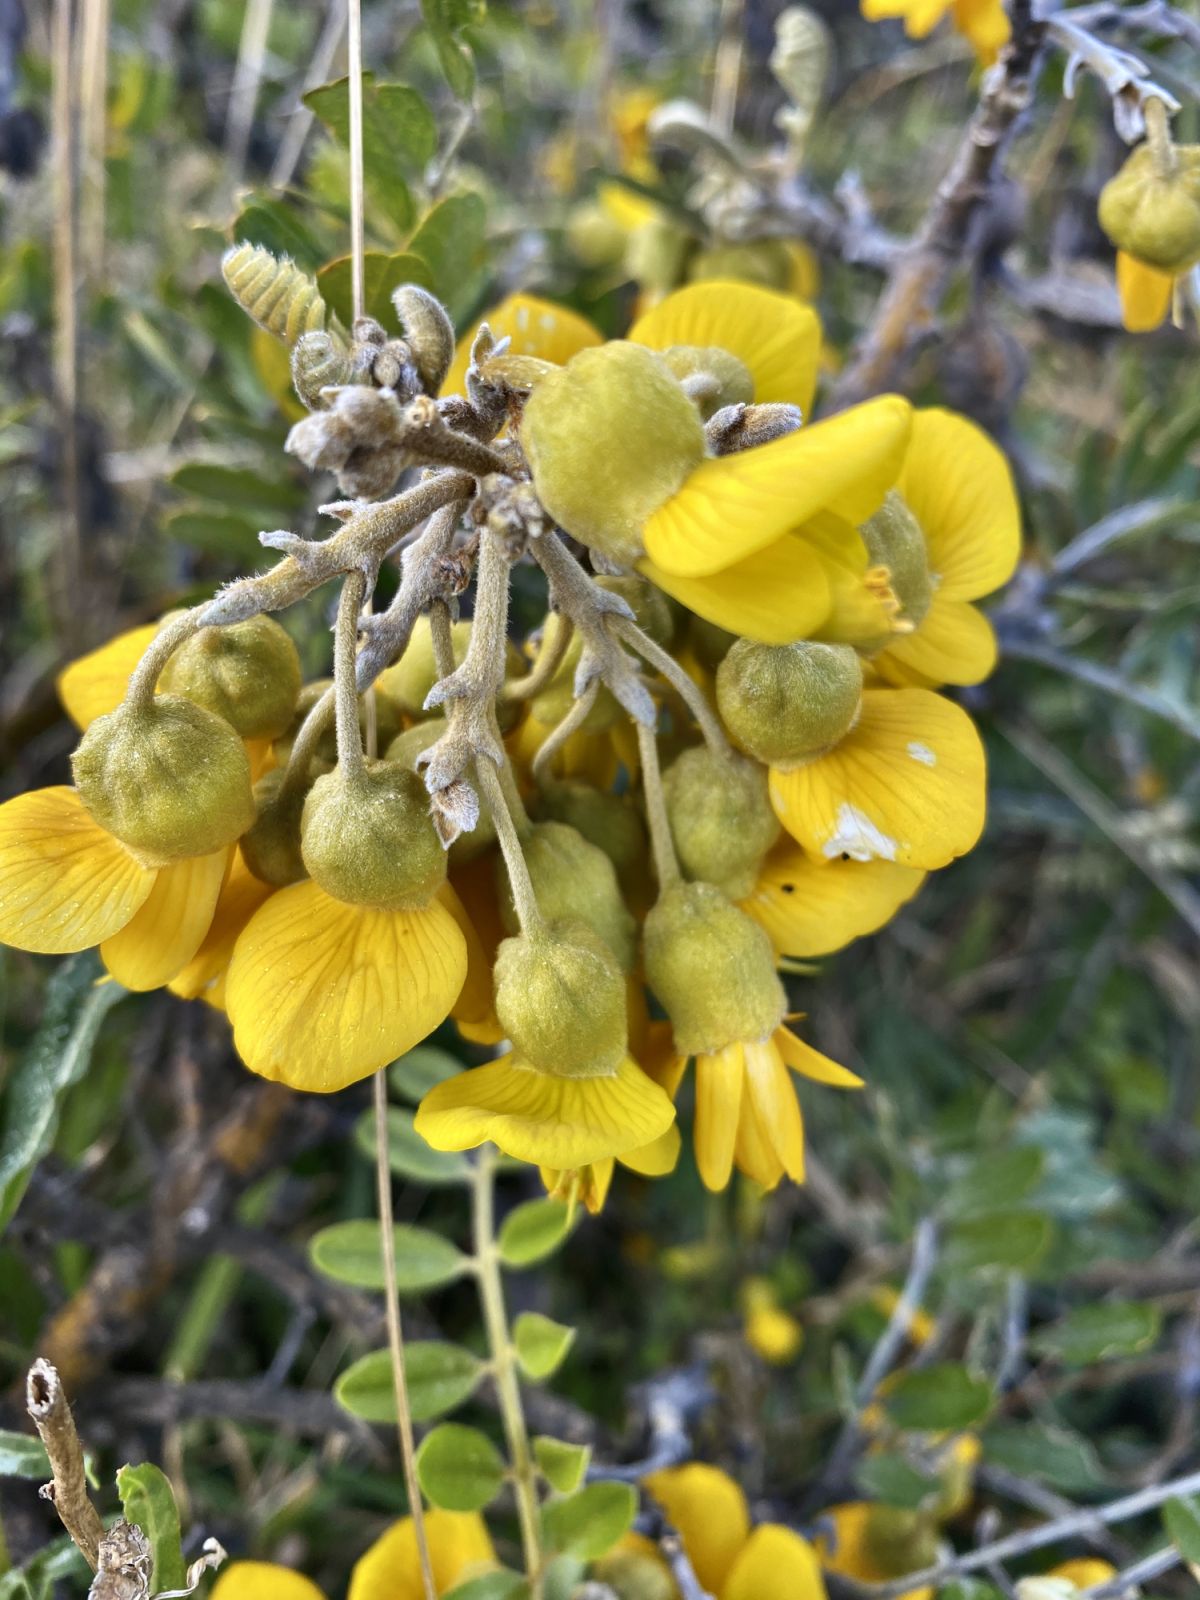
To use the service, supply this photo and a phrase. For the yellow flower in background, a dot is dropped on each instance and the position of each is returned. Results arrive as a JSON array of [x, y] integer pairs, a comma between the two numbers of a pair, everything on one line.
[[984, 23], [1150, 210], [731, 1560], [262, 1580], [858, 1540], [771, 1332], [535, 327], [95, 684], [811, 908], [1084, 1572]]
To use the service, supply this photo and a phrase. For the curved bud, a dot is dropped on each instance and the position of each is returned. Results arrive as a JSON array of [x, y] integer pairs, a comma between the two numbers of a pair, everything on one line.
[[429, 332], [721, 818], [248, 673], [573, 881]]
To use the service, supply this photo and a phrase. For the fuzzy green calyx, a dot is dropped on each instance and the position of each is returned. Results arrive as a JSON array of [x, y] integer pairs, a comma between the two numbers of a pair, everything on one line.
[[607, 820], [367, 838], [721, 818], [783, 703], [1151, 208], [247, 672], [894, 540], [712, 968], [271, 848], [560, 997], [573, 881], [609, 438], [167, 778], [720, 378]]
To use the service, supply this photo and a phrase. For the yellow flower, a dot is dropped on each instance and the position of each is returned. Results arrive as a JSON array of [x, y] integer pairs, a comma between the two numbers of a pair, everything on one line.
[[811, 908], [859, 1544], [958, 487], [95, 684], [1151, 211], [983, 22], [263, 1580], [203, 978], [1084, 1572], [1146, 293], [66, 884], [771, 1332], [709, 1512]]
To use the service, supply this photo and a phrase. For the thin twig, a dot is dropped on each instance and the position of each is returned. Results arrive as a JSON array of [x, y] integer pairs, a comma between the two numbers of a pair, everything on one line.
[[1151, 1566], [247, 76], [662, 845], [47, 1404], [561, 732]]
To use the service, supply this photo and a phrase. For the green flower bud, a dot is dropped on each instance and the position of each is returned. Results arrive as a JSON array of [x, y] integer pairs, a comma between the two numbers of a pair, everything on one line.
[[782, 703], [560, 997], [557, 698], [168, 779], [271, 848], [634, 1576], [898, 1541], [247, 672], [721, 818], [730, 381], [894, 540], [1151, 209], [593, 237], [653, 612], [712, 969], [766, 263], [655, 254], [573, 881], [609, 821], [609, 438], [369, 839]]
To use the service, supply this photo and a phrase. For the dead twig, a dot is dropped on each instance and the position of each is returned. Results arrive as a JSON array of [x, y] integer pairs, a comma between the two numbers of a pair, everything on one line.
[[46, 1402]]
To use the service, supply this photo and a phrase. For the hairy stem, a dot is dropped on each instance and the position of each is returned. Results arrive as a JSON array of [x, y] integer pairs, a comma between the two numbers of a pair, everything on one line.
[[492, 794], [345, 686], [558, 736], [689, 692], [549, 659], [661, 843], [158, 652]]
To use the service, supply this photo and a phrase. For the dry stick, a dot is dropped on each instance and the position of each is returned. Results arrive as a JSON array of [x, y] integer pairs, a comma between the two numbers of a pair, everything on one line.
[[357, 176], [291, 146], [47, 1405], [71, 579], [93, 122], [727, 69]]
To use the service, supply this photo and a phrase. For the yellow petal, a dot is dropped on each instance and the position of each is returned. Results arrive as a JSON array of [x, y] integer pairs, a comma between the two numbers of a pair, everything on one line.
[[845, 1547], [549, 1121], [167, 930], [775, 1564], [754, 1152], [985, 23], [1145, 293], [858, 613], [776, 595], [95, 684], [204, 975], [812, 908], [906, 784], [459, 1547], [774, 337], [810, 1063], [720, 1078], [65, 884], [321, 993], [957, 484], [954, 643], [731, 506], [474, 1003], [709, 1512], [263, 1580], [536, 327], [771, 1098], [656, 1159], [1084, 1572], [920, 16]]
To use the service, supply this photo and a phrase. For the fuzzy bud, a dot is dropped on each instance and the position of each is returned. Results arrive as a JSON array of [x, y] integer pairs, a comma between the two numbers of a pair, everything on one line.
[[607, 820], [368, 839], [1151, 209], [360, 437], [609, 437], [896, 1540], [634, 1575], [428, 331], [731, 383], [783, 703], [721, 818], [894, 540], [573, 881], [168, 779], [766, 263], [560, 998], [248, 673], [712, 968], [271, 848]]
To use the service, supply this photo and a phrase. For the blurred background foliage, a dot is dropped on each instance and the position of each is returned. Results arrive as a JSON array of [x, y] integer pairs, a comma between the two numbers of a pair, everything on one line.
[[1028, 1026]]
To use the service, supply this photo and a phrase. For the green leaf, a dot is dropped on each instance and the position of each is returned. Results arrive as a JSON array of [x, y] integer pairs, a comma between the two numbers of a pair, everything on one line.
[[533, 1231], [502, 1585], [408, 1154], [240, 490], [995, 1181], [381, 274], [221, 533], [440, 1377], [399, 134], [589, 1522], [938, 1399], [1181, 1519], [563, 1465], [22, 1456], [1100, 1332], [445, 19], [542, 1343], [452, 240], [351, 1252], [55, 1058], [460, 1468], [420, 1070], [148, 1500], [1055, 1456], [895, 1481], [274, 225], [1003, 1240]]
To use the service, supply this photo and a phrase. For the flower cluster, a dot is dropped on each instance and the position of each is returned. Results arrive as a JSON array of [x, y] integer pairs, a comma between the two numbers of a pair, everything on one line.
[[726, 745]]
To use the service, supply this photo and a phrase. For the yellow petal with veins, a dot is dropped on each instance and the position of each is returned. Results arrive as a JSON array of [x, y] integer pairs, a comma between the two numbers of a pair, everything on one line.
[[770, 1098], [171, 924], [953, 644], [720, 1079], [321, 993], [810, 1063], [776, 595], [204, 976], [65, 884], [656, 1159], [812, 908], [95, 684]]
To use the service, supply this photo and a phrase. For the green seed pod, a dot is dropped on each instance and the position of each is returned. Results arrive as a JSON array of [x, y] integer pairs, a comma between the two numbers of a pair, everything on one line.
[[168, 779], [721, 818], [609, 821], [783, 703], [247, 672], [1151, 209], [428, 331], [894, 540], [369, 839], [560, 998], [271, 848], [404, 750], [712, 968], [653, 612], [573, 881], [609, 438], [557, 698], [729, 381], [633, 1576]]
